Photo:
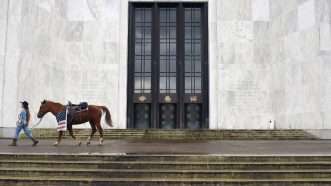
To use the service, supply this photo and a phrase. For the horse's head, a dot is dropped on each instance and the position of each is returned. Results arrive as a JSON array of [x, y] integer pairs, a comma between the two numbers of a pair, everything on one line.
[[44, 109]]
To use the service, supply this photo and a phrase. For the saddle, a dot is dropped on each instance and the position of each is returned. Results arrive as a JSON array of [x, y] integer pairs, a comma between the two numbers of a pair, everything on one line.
[[75, 108], [82, 106]]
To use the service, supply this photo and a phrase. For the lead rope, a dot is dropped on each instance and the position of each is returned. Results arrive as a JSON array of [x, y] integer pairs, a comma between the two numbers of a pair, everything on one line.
[[35, 125]]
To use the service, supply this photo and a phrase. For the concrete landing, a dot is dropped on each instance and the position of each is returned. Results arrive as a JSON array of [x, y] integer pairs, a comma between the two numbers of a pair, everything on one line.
[[224, 147]]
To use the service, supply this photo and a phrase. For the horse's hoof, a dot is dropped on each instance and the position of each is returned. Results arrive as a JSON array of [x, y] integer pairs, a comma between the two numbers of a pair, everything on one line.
[[79, 143], [55, 144], [88, 143]]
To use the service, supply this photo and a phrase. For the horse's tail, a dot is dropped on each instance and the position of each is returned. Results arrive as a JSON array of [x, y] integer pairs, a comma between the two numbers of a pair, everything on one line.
[[108, 116]]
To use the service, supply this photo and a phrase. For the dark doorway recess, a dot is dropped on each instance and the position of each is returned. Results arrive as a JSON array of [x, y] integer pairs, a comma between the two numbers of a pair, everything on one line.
[[168, 65]]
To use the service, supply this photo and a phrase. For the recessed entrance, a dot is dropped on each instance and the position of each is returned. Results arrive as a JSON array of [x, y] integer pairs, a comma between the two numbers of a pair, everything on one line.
[[168, 65]]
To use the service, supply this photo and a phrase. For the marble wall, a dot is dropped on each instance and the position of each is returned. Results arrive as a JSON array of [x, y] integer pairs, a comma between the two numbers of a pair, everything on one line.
[[269, 60], [242, 78], [63, 50]]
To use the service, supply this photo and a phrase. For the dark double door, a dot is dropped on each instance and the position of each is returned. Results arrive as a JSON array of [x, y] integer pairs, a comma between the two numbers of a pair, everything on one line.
[[168, 65]]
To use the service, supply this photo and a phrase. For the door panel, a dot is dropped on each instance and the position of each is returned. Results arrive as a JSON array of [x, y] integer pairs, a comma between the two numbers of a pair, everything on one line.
[[192, 56], [168, 116], [142, 115], [168, 53], [193, 115], [168, 65], [143, 51]]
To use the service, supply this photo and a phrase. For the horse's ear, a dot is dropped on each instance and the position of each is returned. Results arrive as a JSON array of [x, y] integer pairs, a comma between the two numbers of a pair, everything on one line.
[[43, 102]]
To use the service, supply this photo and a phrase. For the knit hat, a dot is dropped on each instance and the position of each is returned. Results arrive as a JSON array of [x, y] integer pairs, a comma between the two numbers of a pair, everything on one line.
[[25, 104]]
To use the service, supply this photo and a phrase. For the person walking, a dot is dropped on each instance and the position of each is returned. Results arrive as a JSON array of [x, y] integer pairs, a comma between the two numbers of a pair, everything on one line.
[[23, 123]]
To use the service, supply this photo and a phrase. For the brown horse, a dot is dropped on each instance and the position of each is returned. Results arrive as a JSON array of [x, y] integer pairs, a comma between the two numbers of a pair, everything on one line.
[[92, 115]]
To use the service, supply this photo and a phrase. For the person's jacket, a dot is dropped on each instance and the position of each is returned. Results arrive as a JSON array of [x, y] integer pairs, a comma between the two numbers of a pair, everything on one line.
[[22, 118]]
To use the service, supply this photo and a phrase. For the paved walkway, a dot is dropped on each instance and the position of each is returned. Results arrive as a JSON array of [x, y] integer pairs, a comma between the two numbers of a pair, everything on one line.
[[314, 147]]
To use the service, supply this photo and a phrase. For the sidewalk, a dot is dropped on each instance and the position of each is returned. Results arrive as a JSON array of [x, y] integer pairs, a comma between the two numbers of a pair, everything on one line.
[[313, 147]]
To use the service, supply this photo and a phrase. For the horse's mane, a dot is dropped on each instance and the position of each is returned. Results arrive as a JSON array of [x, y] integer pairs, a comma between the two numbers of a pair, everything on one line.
[[53, 102]]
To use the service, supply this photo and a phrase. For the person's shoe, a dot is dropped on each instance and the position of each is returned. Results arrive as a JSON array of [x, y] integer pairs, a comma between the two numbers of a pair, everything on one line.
[[35, 142], [13, 143]]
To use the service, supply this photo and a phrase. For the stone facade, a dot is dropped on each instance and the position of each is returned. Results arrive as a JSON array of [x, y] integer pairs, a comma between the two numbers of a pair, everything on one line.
[[269, 60], [273, 63]]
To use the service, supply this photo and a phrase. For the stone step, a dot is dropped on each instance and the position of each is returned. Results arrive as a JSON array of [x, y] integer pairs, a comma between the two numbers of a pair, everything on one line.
[[182, 139], [87, 132], [165, 158], [188, 138], [184, 134], [232, 137], [163, 169], [169, 173], [60, 181], [165, 165]]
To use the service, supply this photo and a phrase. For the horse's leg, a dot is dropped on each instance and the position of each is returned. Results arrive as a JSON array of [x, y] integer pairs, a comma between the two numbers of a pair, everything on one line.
[[58, 138], [74, 137], [88, 142], [97, 124]]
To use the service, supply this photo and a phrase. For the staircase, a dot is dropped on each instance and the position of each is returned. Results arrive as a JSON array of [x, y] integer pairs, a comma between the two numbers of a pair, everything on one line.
[[185, 134], [134, 169]]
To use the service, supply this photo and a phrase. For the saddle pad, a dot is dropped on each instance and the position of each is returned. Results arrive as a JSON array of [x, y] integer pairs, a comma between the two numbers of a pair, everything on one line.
[[61, 119]]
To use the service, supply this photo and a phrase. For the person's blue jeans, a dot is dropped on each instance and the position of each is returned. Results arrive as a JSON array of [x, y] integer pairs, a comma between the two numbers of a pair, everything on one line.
[[26, 130]]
